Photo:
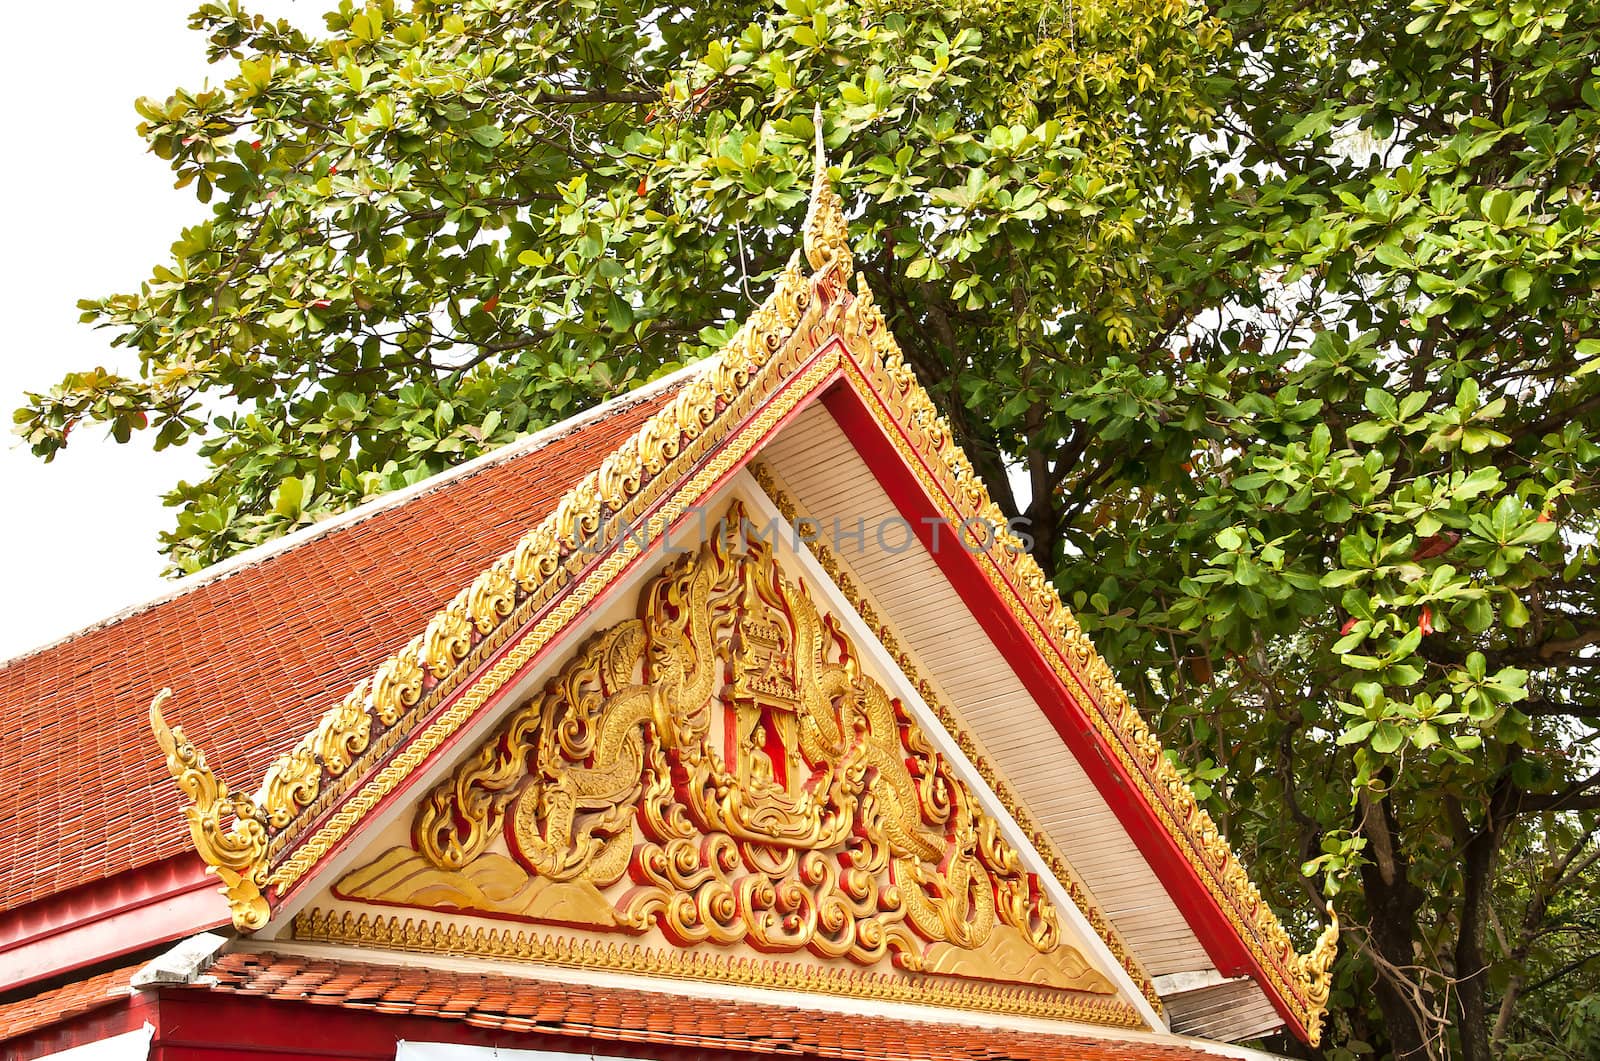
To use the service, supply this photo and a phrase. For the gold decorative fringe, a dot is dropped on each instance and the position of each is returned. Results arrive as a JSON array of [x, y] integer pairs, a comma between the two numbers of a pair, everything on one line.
[[439, 937]]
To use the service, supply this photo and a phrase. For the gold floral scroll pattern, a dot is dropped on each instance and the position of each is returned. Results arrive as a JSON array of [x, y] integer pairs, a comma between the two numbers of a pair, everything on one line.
[[845, 580], [431, 936], [723, 770], [924, 439]]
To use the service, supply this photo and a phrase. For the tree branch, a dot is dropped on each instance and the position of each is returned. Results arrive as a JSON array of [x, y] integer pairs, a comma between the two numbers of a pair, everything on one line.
[[595, 97], [1580, 795]]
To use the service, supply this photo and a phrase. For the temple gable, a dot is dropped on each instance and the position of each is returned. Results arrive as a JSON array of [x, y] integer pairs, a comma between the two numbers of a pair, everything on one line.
[[755, 763], [718, 784]]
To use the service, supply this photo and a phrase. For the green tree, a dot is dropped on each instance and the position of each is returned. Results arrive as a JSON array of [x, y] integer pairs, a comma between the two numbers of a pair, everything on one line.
[[439, 227], [1273, 317], [1345, 545]]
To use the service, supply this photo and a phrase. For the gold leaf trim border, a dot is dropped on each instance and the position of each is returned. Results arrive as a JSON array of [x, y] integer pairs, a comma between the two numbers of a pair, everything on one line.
[[316, 925], [849, 586]]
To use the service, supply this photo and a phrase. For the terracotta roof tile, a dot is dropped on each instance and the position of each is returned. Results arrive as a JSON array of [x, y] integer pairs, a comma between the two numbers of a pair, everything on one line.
[[253, 659], [29, 1014], [492, 1000]]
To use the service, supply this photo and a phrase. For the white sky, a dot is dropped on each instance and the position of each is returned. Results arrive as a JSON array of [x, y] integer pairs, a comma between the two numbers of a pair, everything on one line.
[[88, 212]]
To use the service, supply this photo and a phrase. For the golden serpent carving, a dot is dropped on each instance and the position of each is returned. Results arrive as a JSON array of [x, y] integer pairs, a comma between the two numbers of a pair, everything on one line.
[[924, 439], [723, 770], [1316, 966], [430, 936]]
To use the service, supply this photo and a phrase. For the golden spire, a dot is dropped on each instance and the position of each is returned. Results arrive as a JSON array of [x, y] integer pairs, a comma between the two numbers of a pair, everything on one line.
[[826, 236]]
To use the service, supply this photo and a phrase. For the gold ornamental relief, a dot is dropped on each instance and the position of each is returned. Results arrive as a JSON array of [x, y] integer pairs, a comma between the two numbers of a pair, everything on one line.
[[721, 771]]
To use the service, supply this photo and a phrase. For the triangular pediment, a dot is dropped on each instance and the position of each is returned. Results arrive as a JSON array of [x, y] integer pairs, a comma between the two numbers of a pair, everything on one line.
[[724, 784], [563, 767]]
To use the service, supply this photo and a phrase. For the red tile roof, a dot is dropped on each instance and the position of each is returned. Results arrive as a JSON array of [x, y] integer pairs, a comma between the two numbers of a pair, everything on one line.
[[26, 1015], [516, 1004], [253, 659]]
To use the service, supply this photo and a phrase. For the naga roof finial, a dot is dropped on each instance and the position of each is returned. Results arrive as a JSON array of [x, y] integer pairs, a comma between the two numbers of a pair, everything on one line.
[[1316, 967], [237, 855], [826, 237]]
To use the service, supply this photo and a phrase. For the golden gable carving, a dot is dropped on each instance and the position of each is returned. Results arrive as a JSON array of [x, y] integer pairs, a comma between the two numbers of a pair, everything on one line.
[[722, 771]]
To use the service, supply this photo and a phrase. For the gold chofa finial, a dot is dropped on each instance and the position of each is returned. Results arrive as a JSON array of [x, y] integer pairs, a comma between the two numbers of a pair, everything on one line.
[[827, 238]]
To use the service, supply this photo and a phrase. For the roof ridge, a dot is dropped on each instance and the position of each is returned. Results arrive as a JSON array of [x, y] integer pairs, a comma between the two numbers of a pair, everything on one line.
[[258, 554]]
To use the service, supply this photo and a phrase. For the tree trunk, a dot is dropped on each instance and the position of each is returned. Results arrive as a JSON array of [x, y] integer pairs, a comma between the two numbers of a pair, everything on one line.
[[1477, 865], [1392, 905], [1478, 852]]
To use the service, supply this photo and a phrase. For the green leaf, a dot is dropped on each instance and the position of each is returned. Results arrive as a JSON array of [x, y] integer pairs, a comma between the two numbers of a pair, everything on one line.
[[1393, 256], [1356, 734], [619, 315], [287, 497], [1387, 738], [1478, 481], [1514, 613], [1380, 403]]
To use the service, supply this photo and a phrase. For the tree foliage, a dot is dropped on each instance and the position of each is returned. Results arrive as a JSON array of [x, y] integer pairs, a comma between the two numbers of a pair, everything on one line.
[[1276, 319], [438, 228], [1374, 573]]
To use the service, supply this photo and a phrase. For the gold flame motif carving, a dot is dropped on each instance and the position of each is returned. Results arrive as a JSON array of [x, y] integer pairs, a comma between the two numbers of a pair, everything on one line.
[[723, 770], [825, 235]]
